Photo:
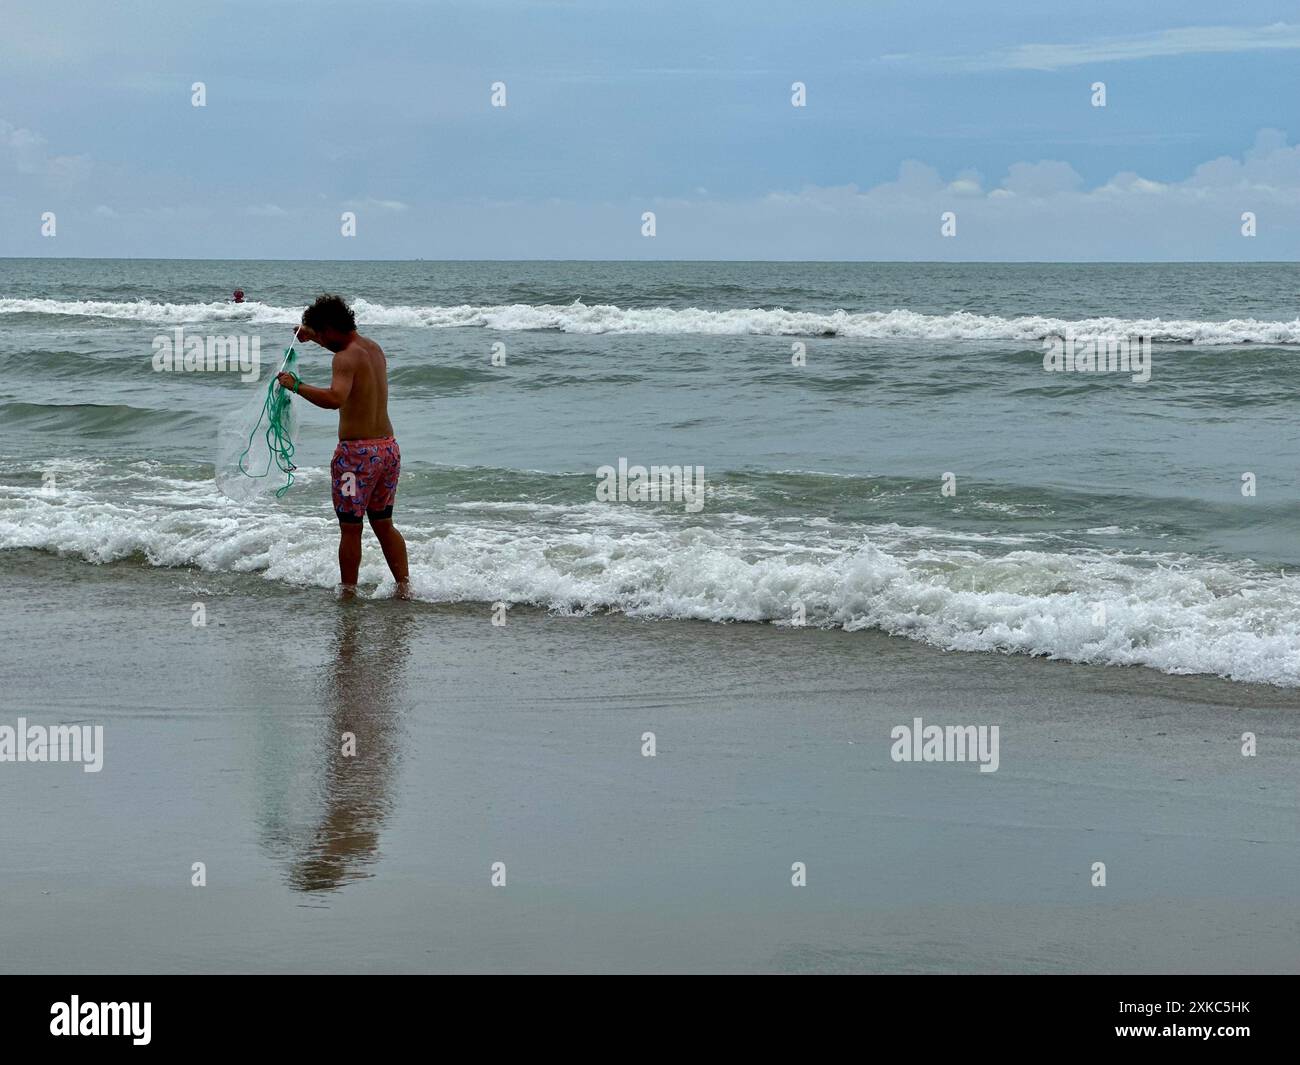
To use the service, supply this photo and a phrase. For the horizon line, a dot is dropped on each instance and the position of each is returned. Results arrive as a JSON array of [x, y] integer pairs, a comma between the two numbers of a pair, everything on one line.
[[774, 262]]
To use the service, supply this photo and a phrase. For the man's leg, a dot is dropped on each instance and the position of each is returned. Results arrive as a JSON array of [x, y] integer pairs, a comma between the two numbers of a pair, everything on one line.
[[394, 553], [349, 554], [346, 480]]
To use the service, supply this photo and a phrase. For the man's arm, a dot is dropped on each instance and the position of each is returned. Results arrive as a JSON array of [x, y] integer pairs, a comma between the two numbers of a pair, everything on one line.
[[331, 398]]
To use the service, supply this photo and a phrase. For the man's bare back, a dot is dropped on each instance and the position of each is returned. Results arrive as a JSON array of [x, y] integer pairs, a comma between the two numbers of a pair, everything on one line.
[[363, 414]]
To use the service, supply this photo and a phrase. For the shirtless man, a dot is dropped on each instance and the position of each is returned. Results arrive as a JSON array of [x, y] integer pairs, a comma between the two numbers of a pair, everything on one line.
[[367, 461]]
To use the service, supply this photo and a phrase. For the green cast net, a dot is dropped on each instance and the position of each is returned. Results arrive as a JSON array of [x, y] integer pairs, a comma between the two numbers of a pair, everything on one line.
[[255, 444]]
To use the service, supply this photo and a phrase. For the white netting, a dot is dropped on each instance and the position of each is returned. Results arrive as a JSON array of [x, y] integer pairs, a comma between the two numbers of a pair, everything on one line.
[[255, 443]]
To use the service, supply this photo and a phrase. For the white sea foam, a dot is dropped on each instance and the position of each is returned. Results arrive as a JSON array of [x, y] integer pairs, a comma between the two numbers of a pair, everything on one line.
[[578, 317], [1172, 613]]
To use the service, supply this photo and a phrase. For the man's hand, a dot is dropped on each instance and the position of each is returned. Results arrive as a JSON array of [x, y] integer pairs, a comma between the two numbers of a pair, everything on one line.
[[331, 398]]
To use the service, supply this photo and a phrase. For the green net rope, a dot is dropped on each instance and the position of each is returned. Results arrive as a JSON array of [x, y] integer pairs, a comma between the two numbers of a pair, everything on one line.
[[275, 412]]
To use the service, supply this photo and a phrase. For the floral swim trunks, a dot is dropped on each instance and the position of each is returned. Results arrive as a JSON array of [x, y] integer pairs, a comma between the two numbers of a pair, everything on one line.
[[364, 477]]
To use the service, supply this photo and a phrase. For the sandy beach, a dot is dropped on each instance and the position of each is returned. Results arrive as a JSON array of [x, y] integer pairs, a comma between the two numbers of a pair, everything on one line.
[[522, 744]]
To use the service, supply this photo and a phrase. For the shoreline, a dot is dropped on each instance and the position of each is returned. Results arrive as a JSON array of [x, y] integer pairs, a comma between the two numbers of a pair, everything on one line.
[[523, 744]]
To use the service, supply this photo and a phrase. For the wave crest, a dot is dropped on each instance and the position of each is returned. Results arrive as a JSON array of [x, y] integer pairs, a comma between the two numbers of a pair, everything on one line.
[[1169, 612], [578, 317]]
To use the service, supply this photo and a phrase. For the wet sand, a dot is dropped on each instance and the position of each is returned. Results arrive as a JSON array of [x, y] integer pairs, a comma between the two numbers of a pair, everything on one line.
[[523, 745]]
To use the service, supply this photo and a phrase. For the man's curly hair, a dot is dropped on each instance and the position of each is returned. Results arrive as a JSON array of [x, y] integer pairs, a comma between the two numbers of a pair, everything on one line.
[[329, 312]]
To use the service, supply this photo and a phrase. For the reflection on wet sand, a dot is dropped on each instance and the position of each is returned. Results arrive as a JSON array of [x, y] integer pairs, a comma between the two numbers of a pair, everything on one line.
[[362, 689]]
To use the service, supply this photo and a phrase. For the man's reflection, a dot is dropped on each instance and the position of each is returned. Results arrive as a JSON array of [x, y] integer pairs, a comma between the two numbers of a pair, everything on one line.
[[363, 691]]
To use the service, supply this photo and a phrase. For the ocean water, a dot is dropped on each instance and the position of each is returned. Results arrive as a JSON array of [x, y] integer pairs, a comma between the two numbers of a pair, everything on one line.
[[1095, 519]]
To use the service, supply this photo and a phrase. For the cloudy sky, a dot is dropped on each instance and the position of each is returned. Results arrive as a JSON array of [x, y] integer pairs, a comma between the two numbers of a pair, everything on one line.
[[914, 108]]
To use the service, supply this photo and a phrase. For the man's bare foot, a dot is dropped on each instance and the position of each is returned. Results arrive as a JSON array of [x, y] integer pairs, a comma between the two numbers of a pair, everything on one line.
[[347, 591], [403, 590]]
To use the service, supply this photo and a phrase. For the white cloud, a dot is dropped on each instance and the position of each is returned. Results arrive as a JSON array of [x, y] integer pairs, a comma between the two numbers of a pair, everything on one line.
[[964, 186], [1269, 166], [26, 153], [1186, 40], [1038, 210], [1128, 182], [915, 180], [1041, 179], [372, 204]]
